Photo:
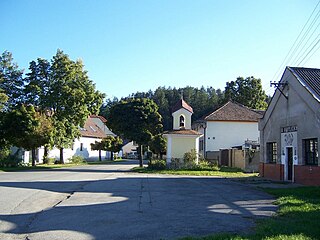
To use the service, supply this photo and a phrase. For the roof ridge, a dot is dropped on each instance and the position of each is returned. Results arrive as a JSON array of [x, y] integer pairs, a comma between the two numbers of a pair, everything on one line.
[[218, 109]]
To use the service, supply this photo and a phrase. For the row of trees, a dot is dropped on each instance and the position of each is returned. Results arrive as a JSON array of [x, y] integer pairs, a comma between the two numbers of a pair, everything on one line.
[[45, 106], [247, 91]]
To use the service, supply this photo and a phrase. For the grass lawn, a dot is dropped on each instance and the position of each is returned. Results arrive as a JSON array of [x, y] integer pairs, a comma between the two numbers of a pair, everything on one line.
[[223, 172], [298, 217], [54, 166]]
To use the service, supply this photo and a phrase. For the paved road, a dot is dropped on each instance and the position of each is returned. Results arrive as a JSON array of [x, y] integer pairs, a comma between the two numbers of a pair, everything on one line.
[[108, 202]]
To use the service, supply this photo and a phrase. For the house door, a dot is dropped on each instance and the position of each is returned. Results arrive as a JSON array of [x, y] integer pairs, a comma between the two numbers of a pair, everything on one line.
[[290, 163]]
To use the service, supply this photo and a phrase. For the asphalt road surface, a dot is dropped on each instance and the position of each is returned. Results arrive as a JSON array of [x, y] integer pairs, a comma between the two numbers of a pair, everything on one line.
[[109, 202]]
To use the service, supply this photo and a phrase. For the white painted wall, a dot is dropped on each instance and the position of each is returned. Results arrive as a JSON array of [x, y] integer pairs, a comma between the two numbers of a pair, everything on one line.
[[178, 145], [86, 151], [223, 135], [129, 147]]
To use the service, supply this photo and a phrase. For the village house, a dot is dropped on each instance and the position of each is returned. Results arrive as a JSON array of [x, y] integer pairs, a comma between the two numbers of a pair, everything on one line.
[[182, 138], [231, 126], [290, 129], [94, 129]]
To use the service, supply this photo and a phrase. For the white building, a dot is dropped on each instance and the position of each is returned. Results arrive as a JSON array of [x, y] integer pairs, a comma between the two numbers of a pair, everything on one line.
[[229, 126], [93, 130]]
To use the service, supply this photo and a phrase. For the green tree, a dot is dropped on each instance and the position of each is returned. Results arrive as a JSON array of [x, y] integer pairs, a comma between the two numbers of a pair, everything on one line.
[[62, 88], [26, 128], [136, 119], [247, 91], [100, 146], [115, 145], [158, 145], [11, 81]]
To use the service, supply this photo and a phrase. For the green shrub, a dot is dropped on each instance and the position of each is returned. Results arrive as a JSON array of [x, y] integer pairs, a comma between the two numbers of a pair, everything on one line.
[[176, 163], [190, 158], [11, 161], [77, 159], [157, 165], [49, 160]]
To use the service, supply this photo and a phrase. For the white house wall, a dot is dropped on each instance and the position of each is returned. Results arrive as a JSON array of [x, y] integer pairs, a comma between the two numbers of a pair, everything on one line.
[[86, 151], [223, 135]]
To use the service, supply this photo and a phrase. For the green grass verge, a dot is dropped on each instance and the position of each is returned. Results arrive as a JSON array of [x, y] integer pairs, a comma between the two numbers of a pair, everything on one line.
[[55, 166], [223, 172], [298, 217]]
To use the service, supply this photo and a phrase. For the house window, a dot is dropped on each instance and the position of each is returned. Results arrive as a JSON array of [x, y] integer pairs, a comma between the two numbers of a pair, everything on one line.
[[271, 152], [81, 146], [311, 151], [182, 121]]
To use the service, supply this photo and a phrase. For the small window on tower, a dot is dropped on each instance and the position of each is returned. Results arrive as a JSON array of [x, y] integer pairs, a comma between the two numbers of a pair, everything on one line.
[[182, 123]]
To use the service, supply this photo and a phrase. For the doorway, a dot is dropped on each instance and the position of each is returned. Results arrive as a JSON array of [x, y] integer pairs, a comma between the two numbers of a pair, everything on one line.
[[290, 163]]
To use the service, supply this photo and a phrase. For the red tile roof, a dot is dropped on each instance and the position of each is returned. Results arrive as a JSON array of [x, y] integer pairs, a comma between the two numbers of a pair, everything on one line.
[[182, 104], [90, 129], [183, 132], [232, 111], [100, 117]]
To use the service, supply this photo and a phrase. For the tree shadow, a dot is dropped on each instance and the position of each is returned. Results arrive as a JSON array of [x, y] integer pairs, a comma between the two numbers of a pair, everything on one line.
[[142, 208]]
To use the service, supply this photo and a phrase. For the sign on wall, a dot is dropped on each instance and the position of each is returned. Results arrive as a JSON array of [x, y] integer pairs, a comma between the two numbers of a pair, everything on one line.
[[289, 138]]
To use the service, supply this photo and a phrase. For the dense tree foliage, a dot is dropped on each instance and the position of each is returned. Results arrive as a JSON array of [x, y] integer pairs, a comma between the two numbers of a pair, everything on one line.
[[26, 128], [158, 145], [110, 143], [247, 91], [59, 88], [136, 119], [11, 81], [202, 100], [62, 87]]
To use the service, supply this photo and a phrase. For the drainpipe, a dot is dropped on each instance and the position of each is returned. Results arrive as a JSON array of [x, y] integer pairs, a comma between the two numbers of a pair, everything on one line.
[[205, 140]]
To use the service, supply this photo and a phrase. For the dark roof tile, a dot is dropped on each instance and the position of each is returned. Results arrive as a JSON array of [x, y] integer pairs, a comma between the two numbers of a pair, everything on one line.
[[309, 78], [232, 111]]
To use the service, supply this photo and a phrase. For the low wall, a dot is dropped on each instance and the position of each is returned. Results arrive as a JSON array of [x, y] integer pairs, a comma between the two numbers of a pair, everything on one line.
[[212, 155], [271, 171], [307, 175]]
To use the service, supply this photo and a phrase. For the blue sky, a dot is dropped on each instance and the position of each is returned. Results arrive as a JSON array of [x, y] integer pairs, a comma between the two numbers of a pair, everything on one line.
[[137, 45]]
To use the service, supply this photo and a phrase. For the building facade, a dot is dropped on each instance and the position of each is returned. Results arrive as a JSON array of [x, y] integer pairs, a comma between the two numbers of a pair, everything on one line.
[[227, 127], [290, 129]]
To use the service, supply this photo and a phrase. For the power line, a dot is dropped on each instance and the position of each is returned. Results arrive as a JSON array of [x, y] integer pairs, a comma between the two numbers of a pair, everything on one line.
[[294, 46], [309, 51]]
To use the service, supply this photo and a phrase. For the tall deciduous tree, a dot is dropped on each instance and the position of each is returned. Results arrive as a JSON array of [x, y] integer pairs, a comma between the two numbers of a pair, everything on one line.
[[247, 91], [26, 128], [63, 88], [136, 119]]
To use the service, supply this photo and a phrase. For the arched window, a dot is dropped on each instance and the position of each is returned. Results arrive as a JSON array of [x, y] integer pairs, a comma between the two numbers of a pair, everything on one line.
[[182, 123]]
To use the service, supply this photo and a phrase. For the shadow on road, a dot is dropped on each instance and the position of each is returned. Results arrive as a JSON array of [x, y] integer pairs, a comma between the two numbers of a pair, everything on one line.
[[143, 207]]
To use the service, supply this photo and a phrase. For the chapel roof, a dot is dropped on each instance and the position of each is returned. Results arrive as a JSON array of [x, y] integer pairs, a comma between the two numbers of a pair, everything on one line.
[[309, 78], [183, 132], [182, 104], [232, 111]]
